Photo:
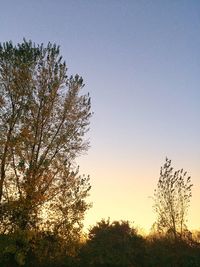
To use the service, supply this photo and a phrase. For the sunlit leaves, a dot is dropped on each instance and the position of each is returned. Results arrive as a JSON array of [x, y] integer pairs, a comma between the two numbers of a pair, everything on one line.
[[43, 121]]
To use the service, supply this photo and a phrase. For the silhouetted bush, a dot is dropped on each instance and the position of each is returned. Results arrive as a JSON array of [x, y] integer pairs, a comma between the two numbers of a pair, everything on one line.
[[29, 249], [166, 252], [113, 244]]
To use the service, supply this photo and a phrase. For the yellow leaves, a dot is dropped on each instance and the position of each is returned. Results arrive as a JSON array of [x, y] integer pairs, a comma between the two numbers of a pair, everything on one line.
[[25, 137], [1, 101], [25, 132], [48, 120]]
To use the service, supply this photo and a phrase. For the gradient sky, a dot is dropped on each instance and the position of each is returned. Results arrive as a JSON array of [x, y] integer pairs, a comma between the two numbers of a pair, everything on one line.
[[140, 61]]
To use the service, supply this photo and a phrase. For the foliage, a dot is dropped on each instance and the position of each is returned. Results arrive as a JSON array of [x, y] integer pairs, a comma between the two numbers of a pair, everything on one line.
[[167, 252], [27, 248], [108, 244], [43, 121], [171, 200], [15, 248], [113, 244]]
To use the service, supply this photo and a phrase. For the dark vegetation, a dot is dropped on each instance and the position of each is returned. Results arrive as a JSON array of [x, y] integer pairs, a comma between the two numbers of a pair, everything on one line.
[[115, 244], [43, 121]]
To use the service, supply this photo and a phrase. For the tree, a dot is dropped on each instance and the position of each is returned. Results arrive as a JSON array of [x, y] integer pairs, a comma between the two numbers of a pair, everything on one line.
[[43, 121], [171, 200], [113, 244]]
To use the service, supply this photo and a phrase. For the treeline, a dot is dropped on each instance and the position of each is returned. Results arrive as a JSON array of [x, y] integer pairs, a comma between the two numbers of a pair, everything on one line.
[[115, 244]]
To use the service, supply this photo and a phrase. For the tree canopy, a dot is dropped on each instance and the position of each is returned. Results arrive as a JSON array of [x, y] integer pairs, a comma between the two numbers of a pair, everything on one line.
[[113, 244], [43, 121]]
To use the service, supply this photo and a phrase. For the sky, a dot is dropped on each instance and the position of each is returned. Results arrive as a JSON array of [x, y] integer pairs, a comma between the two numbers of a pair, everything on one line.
[[140, 62]]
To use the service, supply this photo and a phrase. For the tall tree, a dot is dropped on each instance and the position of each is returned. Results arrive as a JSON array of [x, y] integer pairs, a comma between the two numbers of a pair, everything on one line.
[[171, 200], [43, 121]]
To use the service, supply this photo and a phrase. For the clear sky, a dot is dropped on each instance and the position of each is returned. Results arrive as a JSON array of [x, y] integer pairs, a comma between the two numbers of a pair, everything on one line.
[[140, 61]]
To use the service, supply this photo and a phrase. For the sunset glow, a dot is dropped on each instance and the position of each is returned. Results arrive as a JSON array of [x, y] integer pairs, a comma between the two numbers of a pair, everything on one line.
[[140, 62]]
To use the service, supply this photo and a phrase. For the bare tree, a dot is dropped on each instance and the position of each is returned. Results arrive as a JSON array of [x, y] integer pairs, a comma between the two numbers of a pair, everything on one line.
[[171, 200]]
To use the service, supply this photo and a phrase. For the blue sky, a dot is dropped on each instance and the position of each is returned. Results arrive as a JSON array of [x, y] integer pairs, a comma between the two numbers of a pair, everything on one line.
[[140, 62]]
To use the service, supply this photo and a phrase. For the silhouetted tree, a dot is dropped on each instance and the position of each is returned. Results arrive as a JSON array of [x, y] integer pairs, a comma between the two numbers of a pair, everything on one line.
[[113, 244], [43, 121], [171, 200]]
